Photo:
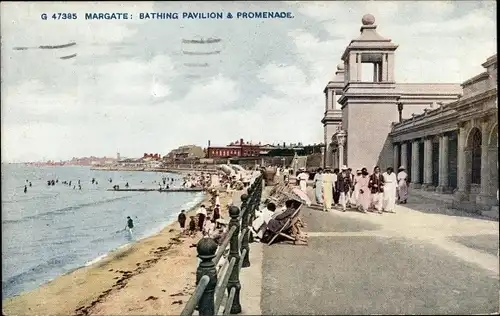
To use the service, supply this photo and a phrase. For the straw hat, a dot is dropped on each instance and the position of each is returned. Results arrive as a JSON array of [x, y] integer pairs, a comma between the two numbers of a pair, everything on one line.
[[401, 168], [344, 167]]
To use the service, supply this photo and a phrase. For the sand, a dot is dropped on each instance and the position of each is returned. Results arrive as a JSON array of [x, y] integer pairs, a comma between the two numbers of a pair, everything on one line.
[[153, 276]]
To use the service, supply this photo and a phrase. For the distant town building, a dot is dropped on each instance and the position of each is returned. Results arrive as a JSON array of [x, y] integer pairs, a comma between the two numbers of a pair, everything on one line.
[[152, 156], [187, 152], [235, 149], [89, 161]]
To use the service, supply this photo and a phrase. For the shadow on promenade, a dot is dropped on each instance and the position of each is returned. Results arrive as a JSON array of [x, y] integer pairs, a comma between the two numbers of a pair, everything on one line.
[[435, 203]]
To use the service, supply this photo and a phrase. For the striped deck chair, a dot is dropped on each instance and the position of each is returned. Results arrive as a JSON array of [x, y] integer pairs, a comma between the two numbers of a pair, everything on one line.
[[288, 225]]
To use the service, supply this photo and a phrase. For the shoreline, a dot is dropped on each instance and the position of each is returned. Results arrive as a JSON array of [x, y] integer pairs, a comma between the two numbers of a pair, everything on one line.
[[122, 247], [162, 170], [82, 289]]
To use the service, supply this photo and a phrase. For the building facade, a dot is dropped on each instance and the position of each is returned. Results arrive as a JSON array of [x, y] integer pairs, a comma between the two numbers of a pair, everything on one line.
[[235, 149], [444, 134], [454, 148]]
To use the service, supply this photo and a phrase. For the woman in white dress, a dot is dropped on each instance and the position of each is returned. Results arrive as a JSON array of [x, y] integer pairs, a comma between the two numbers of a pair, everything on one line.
[[303, 177], [390, 183], [318, 186], [327, 186], [402, 185]]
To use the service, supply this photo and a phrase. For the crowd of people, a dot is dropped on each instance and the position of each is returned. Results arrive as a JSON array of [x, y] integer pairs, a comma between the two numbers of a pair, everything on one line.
[[207, 221], [218, 180], [375, 192]]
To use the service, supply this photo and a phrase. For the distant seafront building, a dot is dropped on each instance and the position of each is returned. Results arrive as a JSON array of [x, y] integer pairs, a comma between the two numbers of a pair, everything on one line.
[[235, 149], [187, 152], [445, 135]]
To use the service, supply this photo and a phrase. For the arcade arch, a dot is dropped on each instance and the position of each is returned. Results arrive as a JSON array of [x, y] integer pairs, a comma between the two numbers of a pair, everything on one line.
[[474, 144]]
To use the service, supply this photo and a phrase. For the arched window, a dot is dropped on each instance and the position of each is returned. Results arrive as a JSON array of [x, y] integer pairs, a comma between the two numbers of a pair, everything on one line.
[[475, 144]]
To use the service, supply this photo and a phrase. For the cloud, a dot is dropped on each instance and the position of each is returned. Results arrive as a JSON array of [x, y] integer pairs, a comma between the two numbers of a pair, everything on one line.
[[129, 91]]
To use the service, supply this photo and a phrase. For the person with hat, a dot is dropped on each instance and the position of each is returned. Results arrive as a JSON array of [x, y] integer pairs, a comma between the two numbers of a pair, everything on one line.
[[216, 213], [402, 185], [303, 177], [390, 183], [318, 186], [327, 186], [377, 188], [364, 195], [355, 192], [336, 194], [344, 185]]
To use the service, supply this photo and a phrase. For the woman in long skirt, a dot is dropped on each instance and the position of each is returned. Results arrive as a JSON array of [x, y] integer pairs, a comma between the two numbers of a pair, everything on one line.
[[390, 184], [364, 195], [302, 177], [327, 185], [318, 186], [402, 185]]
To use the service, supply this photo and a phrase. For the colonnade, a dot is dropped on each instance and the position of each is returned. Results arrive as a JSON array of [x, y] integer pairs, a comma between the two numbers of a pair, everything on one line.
[[413, 162], [476, 162]]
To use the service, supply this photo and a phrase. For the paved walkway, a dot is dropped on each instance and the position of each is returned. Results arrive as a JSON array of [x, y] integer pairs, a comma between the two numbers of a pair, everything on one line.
[[420, 260]]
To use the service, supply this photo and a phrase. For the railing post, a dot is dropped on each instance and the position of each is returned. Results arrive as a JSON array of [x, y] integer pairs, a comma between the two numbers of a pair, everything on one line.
[[206, 249], [256, 198], [259, 192], [245, 200], [250, 215], [234, 252]]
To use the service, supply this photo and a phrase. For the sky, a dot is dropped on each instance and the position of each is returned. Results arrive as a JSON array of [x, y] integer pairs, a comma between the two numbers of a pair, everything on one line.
[[128, 90]]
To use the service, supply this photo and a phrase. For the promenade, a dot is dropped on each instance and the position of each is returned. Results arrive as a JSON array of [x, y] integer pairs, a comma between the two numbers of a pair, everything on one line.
[[420, 260]]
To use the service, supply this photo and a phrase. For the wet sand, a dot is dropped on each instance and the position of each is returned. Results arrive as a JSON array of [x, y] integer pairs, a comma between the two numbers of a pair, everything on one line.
[[153, 276]]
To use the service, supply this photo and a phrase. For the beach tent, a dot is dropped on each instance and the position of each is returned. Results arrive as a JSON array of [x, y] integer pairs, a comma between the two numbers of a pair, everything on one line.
[[227, 170]]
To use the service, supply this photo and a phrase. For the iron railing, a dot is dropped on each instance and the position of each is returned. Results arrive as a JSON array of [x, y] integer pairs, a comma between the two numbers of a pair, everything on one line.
[[210, 293]]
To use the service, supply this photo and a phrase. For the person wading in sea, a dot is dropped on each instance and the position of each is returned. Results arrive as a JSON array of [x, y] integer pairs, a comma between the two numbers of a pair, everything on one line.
[[25, 189], [130, 224]]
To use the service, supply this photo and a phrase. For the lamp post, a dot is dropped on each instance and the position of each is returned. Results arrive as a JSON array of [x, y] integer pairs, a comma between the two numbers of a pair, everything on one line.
[[400, 110]]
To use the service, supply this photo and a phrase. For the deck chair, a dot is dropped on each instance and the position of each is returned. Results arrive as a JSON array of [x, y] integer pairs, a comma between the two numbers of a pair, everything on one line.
[[288, 225]]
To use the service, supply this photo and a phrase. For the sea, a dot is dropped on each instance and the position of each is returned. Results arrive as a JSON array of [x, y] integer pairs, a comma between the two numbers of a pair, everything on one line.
[[52, 230]]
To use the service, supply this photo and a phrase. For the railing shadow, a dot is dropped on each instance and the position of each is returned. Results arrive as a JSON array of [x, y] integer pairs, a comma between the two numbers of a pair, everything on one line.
[[210, 293]]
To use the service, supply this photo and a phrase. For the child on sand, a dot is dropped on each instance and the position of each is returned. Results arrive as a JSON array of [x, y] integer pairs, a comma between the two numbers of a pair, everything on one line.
[[182, 220], [192, 227]]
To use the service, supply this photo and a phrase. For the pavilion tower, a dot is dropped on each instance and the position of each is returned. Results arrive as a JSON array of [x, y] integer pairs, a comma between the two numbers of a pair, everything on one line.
[[332, 119], [369, 100]]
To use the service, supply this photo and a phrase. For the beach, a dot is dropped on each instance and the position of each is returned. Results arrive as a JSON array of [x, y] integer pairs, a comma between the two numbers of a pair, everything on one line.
[[152, 276]]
